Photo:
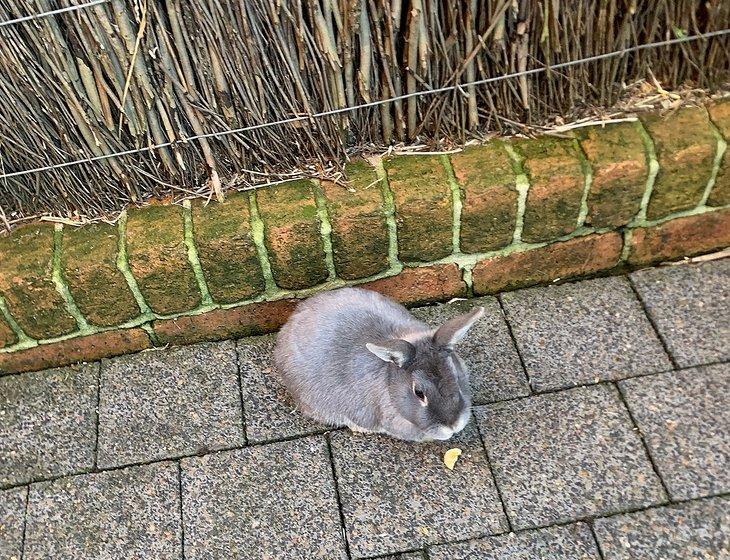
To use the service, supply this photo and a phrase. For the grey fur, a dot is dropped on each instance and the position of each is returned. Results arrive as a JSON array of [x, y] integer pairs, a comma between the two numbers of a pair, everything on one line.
[[334, 378]]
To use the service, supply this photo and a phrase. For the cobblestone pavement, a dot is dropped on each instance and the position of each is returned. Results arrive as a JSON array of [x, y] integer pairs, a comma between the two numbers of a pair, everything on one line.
[[601, 429]]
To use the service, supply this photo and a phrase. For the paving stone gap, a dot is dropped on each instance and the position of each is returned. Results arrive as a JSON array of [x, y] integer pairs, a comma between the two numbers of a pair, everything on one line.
[[127, 513], [689, 305], [565, 456], [581, 333], [238, 504], [699, 529], [157, 405], [566, 542], [47, 423], [685, 419]]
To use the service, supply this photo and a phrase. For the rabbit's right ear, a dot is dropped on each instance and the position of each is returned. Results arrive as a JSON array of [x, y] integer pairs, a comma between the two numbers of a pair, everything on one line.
[[400, 352]]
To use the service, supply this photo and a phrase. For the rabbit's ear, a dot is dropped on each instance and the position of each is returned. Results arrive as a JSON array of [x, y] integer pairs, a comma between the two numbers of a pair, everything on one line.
[[400, 352], [453, 330]]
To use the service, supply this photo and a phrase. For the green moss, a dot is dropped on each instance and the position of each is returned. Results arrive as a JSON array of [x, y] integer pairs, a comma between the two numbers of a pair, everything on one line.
[[158, 259], [423, 205], [226, 249], [556, 188], [362, 251], [292, 235], [685, 149], [88, 264], [7, 335], [26, 283], [487, 180]]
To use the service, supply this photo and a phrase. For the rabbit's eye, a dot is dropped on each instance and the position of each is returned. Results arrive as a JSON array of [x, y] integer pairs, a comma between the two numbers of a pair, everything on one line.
[[421, 396]]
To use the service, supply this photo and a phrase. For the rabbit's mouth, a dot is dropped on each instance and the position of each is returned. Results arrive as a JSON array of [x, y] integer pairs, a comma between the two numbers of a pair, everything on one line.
[[462, 421], [445, 432]]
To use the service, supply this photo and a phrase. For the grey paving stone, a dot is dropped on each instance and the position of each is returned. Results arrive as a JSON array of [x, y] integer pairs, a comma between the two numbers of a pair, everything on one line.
[[494, 366], [268, 410], [47, 423], [690, 305], [12, 512], [568, 542], [685, 419], [404, 556], [399, 496], [564, 456], [123, 514], [693, 530], [264, 502], [168, 403], [582, 333]]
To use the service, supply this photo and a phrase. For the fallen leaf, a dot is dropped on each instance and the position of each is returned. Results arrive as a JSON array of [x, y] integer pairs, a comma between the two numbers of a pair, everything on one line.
[[450, 457]]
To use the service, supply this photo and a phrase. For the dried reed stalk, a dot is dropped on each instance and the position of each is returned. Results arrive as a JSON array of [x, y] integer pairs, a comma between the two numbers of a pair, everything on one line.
[[133, 73]]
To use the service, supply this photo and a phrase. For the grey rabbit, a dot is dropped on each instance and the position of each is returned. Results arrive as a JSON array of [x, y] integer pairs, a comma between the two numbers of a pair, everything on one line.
[[352, 357]]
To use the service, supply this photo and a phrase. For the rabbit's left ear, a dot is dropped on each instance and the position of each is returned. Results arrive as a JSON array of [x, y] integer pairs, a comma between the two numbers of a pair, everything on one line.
[[454, 330], [400, 352]]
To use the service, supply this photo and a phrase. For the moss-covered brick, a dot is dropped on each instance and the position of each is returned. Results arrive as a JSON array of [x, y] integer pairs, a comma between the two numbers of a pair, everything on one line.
[[556, 188], [720, 115], [158, 258], [7, 336], [88, 264], [581, 256], [359, 228], [226, 249], [292, 234], [685, 148], [489, 197], [423, 207], [681, 237], [618, 162], [26, 282]]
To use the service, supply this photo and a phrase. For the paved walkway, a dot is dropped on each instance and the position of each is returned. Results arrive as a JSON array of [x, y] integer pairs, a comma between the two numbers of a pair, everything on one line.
[[602, 430]]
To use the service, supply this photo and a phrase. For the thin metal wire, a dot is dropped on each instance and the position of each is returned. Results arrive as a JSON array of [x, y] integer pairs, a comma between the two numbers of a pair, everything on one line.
[[460, 86], [52, 12]]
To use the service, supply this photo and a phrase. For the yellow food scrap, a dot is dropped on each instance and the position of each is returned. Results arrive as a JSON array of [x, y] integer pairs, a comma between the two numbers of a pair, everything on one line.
[[450, 457]]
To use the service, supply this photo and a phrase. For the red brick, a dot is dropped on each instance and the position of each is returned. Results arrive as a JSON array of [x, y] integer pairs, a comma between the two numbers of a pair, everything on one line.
[[360, 240], [681, 237], [222, 324], [576, 257], [226, 249], [81, 349], [617, 156], [720, 115], [158, 258], [7, 336], [89, 264], [292, 234], [26, 282], [422, 284], [489, 197], [556, 188], [423, 207], [685, 149]]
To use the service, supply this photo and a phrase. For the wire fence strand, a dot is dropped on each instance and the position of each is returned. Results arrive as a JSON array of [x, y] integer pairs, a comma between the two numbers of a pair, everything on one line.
[[52, 12], [342, 110]]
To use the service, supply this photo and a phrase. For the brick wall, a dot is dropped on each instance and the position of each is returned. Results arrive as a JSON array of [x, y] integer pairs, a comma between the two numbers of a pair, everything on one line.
[[418, 228]]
